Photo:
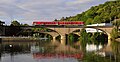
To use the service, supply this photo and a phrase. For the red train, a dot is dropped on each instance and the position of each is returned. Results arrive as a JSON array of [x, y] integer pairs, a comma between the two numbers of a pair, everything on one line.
[[60, 23]]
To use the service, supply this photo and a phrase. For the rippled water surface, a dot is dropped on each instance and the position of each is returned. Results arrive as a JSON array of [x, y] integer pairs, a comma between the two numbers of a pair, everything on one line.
[[23, 52], [29, 58]]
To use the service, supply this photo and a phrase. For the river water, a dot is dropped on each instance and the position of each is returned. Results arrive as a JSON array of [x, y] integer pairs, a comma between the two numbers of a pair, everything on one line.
[[24, 52], [28, 58], [30, 51]]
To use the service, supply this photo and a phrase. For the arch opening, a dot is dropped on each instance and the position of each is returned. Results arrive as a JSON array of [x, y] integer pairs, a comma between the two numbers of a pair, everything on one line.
[[99, 35], [72, 38]]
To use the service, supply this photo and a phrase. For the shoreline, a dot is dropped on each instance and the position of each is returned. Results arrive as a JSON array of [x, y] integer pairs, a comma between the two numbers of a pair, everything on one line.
[[19, 40]]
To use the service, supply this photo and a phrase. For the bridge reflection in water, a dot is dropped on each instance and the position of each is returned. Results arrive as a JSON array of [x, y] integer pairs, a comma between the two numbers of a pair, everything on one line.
[[37, 51], [28, 52]]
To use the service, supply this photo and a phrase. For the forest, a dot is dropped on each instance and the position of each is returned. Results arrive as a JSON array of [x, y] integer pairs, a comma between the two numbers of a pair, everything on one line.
[[103, 13]]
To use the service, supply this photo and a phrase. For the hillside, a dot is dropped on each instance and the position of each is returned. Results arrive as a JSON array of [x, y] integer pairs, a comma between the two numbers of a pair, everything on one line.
[[106, 12]]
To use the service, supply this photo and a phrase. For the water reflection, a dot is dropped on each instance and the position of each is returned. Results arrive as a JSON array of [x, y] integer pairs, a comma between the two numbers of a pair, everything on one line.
[[39, 52], [109, 53], [116, 50], [24, 52], [93, 47]]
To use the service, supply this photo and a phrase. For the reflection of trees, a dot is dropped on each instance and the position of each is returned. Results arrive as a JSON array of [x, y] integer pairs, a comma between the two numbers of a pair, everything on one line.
[[72, 38], [91, 57], [116, 50], [83, 39], [92, 38], [99, 38], [16, 48]]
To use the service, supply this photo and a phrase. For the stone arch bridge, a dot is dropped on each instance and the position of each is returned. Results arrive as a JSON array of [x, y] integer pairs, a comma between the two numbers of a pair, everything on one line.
[[62, 31]]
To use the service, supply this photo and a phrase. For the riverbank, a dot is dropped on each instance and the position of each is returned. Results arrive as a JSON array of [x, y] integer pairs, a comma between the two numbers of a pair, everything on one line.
[[18, 39]]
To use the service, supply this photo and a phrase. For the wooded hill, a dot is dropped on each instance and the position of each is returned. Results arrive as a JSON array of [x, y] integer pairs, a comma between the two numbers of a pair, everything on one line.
[[103, 13]]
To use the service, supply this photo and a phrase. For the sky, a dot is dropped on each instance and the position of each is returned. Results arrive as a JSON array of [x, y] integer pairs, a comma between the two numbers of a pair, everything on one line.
[[27, 11]]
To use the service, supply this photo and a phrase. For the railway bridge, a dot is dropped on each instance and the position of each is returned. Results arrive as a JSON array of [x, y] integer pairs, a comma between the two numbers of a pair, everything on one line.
[[63, 30]]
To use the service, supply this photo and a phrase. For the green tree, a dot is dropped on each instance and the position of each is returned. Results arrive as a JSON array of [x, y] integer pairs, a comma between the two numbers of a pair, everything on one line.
[[15, 23], [114, 33], [71, 38], [62, 19], [98, 19], [89, 21], [103, 13], [116, 23], [1, 23], [55, 20], [24, 25], [83, 39]]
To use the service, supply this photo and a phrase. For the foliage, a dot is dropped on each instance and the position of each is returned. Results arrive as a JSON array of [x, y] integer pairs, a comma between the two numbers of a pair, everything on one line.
[[116, 50], [114, 33], [91, 57], [116, 23], [92, 38], [83, 39], [15, 23], [89, 21], [104, 13], [99, 38], [24, 25], [72, 38], [1, 22]]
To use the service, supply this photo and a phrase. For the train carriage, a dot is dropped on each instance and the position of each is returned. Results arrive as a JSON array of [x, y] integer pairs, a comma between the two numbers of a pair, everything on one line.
[[60, 23]]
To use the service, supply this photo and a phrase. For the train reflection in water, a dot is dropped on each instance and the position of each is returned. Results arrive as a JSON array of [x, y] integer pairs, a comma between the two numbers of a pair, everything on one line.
[[35, 50], [39, 53]]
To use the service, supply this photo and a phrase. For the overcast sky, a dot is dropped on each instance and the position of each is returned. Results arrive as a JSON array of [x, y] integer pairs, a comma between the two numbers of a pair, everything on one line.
[[27, 11]]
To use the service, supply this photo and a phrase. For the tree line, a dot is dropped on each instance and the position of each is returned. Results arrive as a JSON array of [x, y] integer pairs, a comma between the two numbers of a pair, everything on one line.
[[16, 23], [103, 13]]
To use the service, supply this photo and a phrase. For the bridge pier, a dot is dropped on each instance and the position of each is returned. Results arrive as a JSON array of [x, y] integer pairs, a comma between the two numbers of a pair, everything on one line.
[[63, 39], [109, 40], [54, 38]]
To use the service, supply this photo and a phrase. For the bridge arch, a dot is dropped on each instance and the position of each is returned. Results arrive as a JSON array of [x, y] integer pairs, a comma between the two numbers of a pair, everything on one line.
[[51, 32], [74, 36], [62, 31], [101, 29]]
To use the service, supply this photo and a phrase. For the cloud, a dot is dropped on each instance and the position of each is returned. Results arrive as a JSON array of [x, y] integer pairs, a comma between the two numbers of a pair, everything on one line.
[[6, 1], [11, 9], [74, 2], [46, 10]]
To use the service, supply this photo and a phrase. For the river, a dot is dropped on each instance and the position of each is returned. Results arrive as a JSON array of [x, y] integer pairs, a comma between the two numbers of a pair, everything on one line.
[[31, 51], [14, 51]]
